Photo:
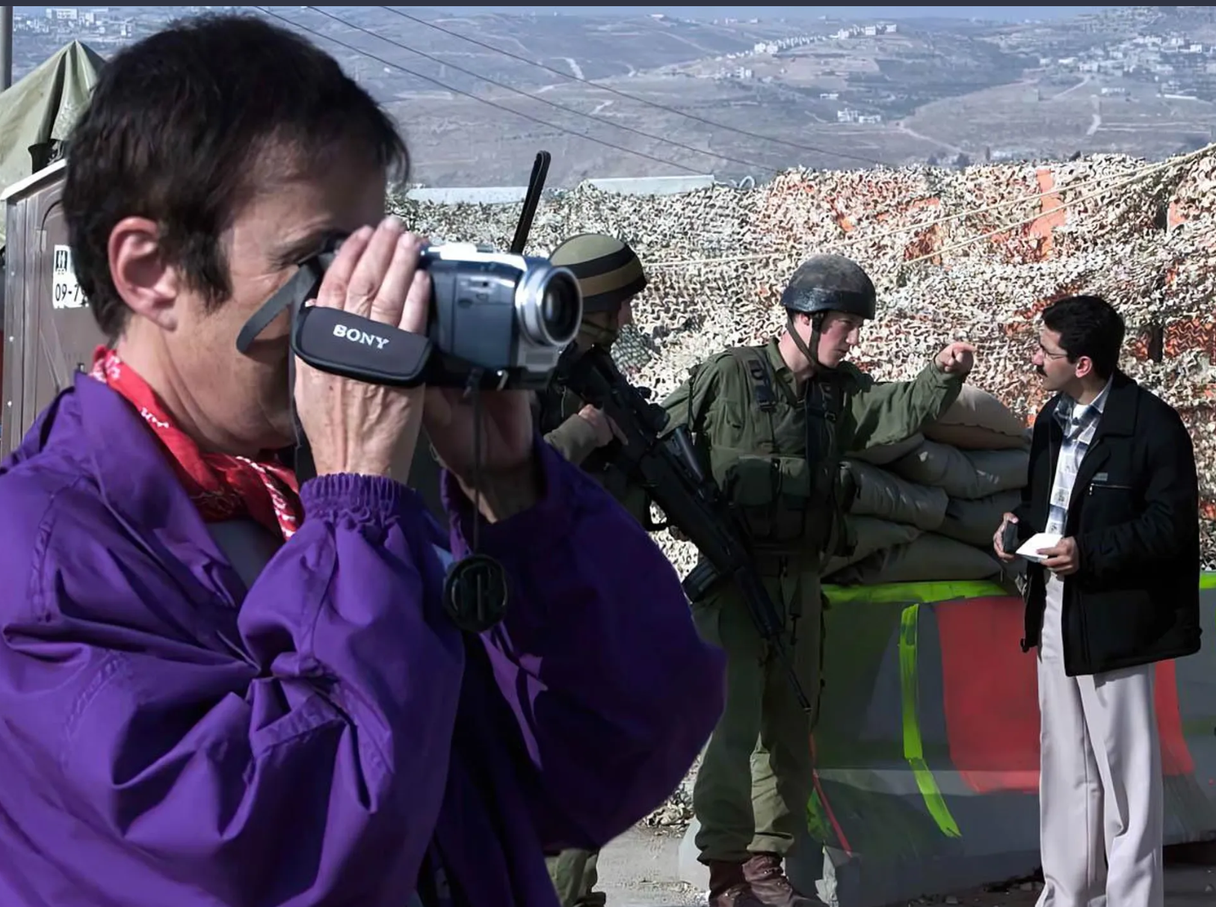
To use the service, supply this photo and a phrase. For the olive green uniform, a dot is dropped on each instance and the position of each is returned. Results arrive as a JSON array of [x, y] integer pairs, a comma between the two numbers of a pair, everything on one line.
[[609, 275], [574, 874], [574, 439], [749, 422]]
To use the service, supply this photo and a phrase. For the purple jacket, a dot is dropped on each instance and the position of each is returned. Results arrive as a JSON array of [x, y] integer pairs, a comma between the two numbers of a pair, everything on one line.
[[172, 738]]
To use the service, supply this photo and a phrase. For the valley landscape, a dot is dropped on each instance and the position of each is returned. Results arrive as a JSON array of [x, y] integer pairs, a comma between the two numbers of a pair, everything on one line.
[[740, 97]]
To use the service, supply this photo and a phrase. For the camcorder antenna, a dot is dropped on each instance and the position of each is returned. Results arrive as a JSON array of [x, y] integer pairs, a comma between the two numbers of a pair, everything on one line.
[[536, 185], [475, 590]]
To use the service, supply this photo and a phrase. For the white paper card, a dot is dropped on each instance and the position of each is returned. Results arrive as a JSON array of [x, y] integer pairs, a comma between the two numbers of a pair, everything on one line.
[[1030, 548]]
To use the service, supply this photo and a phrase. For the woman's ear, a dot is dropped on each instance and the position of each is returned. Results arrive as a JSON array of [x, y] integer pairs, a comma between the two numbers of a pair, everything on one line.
[[145, 281]]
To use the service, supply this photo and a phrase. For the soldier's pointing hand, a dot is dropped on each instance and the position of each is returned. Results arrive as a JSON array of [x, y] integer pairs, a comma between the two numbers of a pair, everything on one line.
[[957, 358]]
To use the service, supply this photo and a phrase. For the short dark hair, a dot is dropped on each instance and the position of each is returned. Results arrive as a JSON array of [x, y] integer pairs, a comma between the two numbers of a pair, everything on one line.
[[1088, 326], [174, 132]]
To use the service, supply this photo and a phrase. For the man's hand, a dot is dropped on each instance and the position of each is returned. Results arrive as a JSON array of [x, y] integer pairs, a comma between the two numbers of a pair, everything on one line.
[[605, 428], [1062, 559], [957, 358], [997, 546]]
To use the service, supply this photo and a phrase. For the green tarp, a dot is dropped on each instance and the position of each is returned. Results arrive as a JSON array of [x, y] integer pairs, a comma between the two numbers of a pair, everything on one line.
[[42, 108]]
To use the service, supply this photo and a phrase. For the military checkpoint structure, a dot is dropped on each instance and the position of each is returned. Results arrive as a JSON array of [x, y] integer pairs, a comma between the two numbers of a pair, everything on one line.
[[927, 745]]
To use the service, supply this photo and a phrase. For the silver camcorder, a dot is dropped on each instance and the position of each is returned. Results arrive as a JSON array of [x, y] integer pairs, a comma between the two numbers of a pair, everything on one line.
[[497, 320]]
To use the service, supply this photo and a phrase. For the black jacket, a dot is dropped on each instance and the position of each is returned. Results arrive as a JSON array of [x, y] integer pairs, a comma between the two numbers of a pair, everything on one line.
[[1134, 513]]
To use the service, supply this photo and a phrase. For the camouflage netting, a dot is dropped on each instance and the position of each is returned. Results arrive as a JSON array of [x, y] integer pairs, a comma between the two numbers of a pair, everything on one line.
[[972, 254]]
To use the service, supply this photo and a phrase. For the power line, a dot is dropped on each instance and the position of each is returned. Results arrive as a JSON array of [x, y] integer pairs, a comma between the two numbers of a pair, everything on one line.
[[469, 94], [631, 97], [546, 101]]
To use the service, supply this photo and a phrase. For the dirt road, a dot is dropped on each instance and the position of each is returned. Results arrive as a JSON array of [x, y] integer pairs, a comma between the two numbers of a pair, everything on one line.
[[639, 870]]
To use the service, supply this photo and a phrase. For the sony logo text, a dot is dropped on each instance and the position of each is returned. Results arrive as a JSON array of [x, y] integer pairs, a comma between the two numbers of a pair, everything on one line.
[[354, 335]]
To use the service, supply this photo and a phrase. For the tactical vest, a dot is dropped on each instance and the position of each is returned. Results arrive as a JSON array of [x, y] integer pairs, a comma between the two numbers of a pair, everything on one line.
[[776, 458]]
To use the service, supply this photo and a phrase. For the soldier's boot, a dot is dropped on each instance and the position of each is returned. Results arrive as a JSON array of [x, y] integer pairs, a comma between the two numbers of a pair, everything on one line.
[[728, 886], [767, 880]]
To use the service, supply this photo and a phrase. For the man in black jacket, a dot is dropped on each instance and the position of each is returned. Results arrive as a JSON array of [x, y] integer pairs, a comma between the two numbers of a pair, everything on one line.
[[1111, 591]]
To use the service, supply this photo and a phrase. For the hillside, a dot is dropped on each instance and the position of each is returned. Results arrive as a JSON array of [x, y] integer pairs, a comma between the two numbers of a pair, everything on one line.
[[633, 95], [587, 46]]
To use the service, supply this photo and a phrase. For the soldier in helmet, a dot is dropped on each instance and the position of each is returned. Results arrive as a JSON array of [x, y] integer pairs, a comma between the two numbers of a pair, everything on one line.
[[610, 276], [772, 423]]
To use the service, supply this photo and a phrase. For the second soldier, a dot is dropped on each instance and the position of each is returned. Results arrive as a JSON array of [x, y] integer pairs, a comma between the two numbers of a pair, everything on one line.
[[610, 276], [772, 423]]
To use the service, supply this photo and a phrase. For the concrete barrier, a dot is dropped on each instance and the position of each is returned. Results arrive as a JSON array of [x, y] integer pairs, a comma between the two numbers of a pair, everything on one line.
[[927, 749]]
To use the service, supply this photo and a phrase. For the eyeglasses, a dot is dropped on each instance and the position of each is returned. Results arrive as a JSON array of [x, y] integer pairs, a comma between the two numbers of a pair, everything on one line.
[[1049, 354]]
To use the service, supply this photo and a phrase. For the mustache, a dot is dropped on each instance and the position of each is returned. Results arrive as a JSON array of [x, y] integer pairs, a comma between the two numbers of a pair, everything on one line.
[[1041, 371]]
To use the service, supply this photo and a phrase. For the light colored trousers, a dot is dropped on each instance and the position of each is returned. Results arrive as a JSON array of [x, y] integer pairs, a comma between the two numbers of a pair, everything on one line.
[[1101, 797]]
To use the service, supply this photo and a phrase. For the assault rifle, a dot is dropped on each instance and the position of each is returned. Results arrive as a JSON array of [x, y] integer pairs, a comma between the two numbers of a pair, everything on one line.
[[666, 466]]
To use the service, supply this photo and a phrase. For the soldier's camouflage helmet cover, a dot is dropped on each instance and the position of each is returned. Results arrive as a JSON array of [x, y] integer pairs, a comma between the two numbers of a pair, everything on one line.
[[607, 270]]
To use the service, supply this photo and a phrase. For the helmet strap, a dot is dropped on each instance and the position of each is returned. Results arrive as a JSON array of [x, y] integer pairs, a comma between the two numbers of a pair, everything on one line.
[[604, 335], [816, 325]]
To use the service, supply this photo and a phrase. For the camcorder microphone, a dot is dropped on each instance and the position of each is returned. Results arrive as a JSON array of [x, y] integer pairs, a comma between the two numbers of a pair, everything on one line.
[[497, 320]]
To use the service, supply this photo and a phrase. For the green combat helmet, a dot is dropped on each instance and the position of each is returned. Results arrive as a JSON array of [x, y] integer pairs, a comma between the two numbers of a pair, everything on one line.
[[608, 271], [822, 284]]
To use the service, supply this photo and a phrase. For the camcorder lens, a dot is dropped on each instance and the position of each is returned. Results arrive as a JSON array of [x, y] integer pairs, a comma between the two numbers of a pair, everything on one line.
[[560, 308]]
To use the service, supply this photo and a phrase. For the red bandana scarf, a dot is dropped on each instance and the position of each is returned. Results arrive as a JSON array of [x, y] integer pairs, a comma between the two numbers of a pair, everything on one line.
[[222, 487]]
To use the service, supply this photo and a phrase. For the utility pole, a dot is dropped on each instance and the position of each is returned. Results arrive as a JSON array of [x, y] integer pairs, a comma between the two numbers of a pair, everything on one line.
[[6, 47]]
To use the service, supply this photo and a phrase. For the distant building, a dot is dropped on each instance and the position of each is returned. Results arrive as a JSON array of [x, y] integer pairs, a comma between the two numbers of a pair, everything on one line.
[[848, 115]]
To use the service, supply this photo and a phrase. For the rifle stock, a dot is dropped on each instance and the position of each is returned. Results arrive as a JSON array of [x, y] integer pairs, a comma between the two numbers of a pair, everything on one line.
[[666, 466]]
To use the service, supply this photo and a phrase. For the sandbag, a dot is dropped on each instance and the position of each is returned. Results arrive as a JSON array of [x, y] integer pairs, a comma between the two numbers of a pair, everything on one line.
[[882, 454], [927, 558], [872, 534], [966, 474], [975, 522], [977, 421], [883, 494]]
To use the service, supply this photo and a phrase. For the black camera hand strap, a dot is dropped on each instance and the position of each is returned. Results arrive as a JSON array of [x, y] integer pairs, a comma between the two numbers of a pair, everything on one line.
[[302, 286], [475, 592]]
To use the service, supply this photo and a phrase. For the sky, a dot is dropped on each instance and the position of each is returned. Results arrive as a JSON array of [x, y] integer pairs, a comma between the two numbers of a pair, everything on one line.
[[1007, 13]]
